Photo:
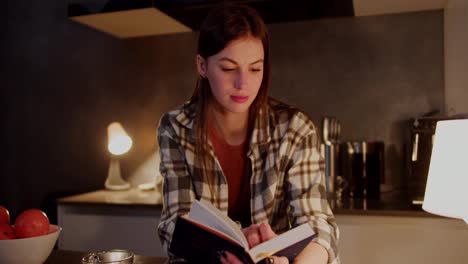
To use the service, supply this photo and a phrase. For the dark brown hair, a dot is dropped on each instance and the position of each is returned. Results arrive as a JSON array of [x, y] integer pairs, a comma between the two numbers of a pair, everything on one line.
[[226, 23]]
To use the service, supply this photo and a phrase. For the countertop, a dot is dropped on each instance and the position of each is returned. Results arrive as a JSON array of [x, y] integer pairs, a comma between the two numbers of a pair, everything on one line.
[[395, 203], [133, 197]]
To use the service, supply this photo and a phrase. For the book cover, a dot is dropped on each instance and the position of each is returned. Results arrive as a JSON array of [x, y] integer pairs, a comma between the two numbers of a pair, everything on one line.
[[199, 240]]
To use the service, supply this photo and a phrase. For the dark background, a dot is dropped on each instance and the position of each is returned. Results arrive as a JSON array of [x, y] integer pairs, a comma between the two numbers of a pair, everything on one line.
[[63, 83]]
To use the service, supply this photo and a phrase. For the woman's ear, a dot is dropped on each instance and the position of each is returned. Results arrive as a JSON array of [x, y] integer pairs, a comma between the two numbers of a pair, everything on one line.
[[201, 66]]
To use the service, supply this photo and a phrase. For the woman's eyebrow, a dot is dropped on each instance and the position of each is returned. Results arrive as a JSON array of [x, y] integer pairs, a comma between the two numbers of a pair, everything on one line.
[[257, 61], [234, 62]]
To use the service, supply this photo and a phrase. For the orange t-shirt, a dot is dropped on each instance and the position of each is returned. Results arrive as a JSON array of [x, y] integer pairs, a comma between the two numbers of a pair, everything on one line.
[[233, 160]]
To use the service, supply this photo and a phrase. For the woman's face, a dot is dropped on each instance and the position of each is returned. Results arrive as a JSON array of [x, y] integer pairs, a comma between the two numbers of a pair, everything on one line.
[[235, 74]]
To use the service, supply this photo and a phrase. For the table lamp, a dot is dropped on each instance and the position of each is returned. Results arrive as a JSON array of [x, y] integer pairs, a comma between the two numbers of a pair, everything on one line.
[[447, 182], [119, 143]]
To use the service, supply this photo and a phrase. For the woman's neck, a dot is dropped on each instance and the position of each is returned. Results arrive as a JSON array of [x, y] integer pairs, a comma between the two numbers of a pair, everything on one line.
[[231, 126]]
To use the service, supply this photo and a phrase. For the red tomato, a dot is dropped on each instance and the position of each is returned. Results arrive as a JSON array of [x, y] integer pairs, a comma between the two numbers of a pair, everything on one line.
[[4, 216], [31, 223], [6, 232]]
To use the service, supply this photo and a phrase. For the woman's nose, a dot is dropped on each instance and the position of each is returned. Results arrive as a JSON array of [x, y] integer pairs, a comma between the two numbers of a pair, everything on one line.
[[241, 80]]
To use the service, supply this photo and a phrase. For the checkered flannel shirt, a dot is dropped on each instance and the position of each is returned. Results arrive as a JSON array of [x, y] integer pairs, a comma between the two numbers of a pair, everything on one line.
[[287, 180]]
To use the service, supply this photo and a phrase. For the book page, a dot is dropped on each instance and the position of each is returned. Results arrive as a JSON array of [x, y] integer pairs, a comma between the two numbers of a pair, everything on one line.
[[280, 242], [205, 213]]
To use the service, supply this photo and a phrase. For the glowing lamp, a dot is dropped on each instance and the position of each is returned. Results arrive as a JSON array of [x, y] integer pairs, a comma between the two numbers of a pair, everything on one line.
[[119, 143], [446, 189]]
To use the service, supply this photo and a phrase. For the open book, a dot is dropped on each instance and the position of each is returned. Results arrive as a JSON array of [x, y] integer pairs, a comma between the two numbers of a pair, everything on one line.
[[206, 230]]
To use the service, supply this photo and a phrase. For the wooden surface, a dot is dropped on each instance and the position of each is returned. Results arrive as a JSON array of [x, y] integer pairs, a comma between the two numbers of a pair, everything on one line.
[[72, 257], [133, 196], [392, 240]]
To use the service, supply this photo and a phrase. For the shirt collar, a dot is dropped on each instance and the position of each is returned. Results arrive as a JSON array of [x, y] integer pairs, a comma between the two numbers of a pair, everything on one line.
[[186, 115]]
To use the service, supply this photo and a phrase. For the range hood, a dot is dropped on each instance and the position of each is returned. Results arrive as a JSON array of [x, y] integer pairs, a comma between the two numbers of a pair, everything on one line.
[[137, 18]]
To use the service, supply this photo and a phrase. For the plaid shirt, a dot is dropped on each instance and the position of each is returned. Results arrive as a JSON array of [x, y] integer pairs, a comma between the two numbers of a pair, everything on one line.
[[287, 181]]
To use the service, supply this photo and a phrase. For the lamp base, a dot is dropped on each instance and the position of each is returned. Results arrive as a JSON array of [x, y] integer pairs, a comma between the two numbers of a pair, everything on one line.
[[119, 187], [114, 181]]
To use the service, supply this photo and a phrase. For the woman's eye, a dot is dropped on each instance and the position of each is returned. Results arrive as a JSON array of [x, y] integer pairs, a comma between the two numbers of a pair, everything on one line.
[[255, 70], [227, 69]]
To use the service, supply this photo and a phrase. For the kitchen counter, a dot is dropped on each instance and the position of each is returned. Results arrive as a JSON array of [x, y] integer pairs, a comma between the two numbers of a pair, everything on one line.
[[73, 257], [133, 197], [395, 203], [113, 219], [390, 230]]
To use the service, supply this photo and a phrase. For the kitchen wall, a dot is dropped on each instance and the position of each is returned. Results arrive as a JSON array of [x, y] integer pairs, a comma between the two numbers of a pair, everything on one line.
[[63, 83], [372, 73], [456, 56]]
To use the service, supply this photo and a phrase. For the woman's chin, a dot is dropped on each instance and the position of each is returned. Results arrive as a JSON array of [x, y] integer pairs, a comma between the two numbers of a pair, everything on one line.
[[239, 109]]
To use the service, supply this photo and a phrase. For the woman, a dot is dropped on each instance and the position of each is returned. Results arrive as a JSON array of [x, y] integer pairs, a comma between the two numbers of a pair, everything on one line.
[[249, 155]]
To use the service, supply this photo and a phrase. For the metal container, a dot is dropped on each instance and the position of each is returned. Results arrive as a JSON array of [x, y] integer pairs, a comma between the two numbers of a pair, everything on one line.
[[115, 256], [331, 133], [362, 164]]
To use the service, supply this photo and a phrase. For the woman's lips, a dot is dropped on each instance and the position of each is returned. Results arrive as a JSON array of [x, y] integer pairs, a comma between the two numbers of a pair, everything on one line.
[[239, 99]]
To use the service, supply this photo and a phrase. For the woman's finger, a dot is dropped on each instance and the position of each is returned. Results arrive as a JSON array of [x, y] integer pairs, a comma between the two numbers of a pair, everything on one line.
[[253, 238], [252, 235], [249, 229], [223, 259], [265, 232]]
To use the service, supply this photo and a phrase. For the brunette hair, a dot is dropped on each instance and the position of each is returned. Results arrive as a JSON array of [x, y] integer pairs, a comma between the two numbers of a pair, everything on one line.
[[224, 24]]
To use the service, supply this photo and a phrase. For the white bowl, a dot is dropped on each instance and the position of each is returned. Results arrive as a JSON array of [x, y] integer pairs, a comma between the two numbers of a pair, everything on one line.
[[33, 250]]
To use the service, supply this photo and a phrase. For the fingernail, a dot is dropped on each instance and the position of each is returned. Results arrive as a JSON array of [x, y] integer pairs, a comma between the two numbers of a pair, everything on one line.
[[220, 254]]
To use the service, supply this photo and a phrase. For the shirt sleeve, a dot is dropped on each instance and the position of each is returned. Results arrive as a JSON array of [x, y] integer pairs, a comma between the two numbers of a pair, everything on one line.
[[306, 188], [177, 184]]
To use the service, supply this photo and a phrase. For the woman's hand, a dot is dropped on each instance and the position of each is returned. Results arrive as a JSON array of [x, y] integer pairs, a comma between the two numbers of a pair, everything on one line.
[[257, 234]]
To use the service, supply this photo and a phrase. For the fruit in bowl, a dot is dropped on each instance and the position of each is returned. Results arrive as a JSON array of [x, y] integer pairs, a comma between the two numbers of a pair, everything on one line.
[[4, 216], [31, 223], [32, 250], [26, 241]]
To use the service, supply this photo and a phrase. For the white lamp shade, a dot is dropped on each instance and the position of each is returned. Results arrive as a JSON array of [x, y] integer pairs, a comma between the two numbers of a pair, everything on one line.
[[119, 142], [447, 181]]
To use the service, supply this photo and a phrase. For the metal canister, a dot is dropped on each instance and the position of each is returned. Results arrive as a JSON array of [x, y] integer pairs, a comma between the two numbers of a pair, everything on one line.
[[114, 256]]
